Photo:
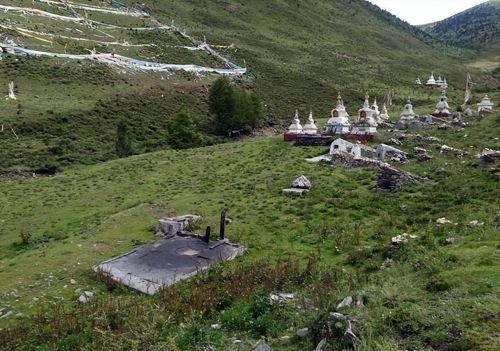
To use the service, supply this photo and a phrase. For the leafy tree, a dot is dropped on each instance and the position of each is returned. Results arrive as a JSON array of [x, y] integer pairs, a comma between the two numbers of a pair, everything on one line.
[[182, 133], [233, 109], [123, 144]]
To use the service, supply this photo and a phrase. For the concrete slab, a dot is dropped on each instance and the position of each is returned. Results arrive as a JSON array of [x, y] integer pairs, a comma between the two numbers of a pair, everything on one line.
[[167, 261]]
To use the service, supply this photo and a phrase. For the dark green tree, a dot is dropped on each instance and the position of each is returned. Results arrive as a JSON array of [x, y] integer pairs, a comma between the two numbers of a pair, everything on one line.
[[123, 144], [182, 133], [233, 110], [221, 100]]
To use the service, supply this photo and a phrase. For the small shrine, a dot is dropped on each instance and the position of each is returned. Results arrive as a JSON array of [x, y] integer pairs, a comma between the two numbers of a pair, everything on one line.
[[310, 127], [442, 107], [432, 82], [339, 120], [407, 114], [366, 123], [384, 115], [418, 82], [485, 105]]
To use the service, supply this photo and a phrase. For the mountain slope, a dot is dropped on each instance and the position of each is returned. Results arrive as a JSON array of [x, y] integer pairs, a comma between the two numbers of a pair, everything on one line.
[[478, 27], [299, 54]]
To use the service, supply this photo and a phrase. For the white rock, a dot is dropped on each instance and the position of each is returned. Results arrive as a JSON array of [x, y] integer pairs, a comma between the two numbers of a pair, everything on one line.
[[301, 183], [403, 238], [442, 220], [216, 326], [475, 223], [303, 333], [83, 299], [88, 293], [72, 281], [347, 302]]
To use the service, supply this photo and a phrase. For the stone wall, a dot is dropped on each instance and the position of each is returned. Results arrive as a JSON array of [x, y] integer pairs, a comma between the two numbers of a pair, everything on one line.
[[389, 178]]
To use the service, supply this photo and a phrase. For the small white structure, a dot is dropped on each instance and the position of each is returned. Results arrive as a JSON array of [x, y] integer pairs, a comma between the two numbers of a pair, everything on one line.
[[11, 95], [485, 105], [366, 123], [384, 115], [310, 128], [431, 82], [339, 120], [295, 127], [340, 145], [442, 107], [407, 114], [418, 81]]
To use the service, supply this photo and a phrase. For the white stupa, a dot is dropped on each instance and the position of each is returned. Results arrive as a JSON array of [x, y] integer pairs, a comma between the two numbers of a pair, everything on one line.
[[442, 107], [295, 127], [407, 114], [310, 128], [485, 105], [431, 82], [366, 123], [339, 120], [384, 115]]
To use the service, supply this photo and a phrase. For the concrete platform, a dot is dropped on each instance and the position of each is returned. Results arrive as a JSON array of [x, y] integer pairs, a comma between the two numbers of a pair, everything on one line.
[[167, 261]]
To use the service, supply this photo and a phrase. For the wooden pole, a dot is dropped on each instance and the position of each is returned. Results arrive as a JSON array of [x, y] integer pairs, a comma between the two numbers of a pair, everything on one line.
[[222, 224], [207, 234]]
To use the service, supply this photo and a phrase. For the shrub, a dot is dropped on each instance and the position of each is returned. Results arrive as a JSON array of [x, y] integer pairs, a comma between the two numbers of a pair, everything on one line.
[[123, 144], [182, 133]]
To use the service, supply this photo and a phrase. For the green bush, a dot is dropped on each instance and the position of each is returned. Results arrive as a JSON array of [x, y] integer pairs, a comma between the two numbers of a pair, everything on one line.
[[182, 133], [407, 319]]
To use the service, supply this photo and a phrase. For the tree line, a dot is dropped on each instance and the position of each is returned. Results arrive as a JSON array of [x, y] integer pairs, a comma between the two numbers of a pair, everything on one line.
[[232, 111]]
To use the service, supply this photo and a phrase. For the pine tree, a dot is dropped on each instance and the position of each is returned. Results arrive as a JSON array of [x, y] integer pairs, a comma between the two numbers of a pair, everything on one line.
[[222, 103], [123, 144], [182, 133]]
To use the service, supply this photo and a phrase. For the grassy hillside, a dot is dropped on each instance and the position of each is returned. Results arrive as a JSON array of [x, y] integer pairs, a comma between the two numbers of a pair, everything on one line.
[[299, 55], [431, 297]]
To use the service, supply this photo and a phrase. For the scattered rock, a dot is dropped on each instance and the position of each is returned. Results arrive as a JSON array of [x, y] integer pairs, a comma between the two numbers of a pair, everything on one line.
[[216, 326], [72, 281], [457, 152], [489, 156], [475, 223], [303, 333], [394, 141], [402, 239], [281, 297], [442, 126], [347, 302], [301, 183], [262, 346], [387, 263], [421, 154], [342, 321], [450, 241], [83, 299], [442, 220]]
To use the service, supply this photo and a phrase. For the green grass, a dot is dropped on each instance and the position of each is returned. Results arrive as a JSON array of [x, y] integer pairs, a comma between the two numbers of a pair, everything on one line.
[[430, 298]]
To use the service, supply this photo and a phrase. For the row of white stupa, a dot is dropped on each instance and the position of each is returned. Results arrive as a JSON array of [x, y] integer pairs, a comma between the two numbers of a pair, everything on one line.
[[366, 123], [369, 118], [433, 82]]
